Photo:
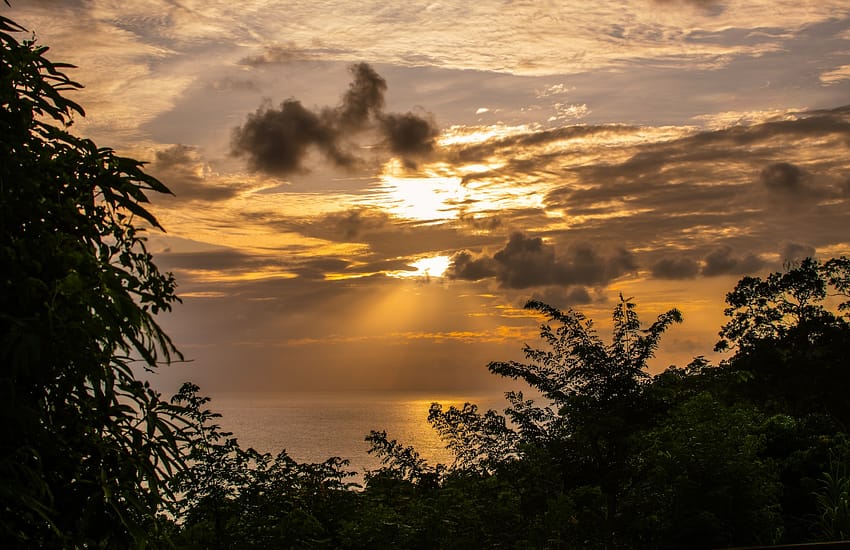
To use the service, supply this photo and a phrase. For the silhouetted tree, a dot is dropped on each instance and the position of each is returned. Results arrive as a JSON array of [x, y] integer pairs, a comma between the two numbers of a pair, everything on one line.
[[86, 447], [791, 346], [582, 437], [240, 498]]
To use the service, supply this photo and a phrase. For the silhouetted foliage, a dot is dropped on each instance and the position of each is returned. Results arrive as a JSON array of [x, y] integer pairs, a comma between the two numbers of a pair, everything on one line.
[[238, 498], [87, 447], [604, 456], [790, 346], [697, 457]]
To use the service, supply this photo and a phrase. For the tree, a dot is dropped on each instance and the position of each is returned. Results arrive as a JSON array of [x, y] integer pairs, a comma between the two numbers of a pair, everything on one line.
[[240, 498], [788, 342], [86, 446], [775, 307], [478, 441], [582, 438], [703, 480]]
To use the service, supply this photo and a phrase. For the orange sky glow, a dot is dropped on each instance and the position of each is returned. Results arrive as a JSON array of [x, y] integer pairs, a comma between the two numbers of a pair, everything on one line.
[[366, 193]]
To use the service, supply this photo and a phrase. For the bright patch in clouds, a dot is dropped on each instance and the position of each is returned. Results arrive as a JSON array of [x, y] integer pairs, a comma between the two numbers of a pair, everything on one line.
[[425, 199], [434, 266], [836, 75], [465, 135]]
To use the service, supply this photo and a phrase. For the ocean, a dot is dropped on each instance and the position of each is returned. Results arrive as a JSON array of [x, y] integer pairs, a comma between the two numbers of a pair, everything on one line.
[[312, 427]]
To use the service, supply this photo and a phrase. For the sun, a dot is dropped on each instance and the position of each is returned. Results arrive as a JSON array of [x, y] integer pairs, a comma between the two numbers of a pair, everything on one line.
[[433, 198], [432, 266]]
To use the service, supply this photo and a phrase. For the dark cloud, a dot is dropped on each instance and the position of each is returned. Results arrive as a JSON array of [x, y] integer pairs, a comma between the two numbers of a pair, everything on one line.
[[724, 261], [352, 224], [528, 262], [277, 140], [223, 259], [675, 268], [793, 187], [563, 298], [175, 156], [409, 135], [711, 7], [465, 266], [793, 253], [364, 99], [317, 268], [783, 178], [483, 223], [181, 168], [690, 158], [382, 266], [280, 54]]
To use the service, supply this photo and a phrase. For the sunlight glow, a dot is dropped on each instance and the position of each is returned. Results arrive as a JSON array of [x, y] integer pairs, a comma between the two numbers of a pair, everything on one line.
[[434, 266], [221, 276], [464, 135], [426, 199], [479, 168]]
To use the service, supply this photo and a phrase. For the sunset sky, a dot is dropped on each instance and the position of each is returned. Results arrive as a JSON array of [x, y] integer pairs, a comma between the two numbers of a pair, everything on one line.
[[366, 193]]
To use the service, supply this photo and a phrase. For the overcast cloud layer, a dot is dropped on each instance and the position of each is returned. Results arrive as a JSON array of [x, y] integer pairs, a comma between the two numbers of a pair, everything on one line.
[[366, 196]]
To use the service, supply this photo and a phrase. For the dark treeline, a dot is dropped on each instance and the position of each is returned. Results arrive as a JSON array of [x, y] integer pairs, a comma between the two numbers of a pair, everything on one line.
[[752, 451], [749, 452]]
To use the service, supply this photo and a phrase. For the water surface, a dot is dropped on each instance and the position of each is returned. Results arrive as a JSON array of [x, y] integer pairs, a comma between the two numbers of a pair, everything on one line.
[[312, 427]]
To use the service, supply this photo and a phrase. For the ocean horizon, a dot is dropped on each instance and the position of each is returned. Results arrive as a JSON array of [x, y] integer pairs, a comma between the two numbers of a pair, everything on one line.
[[314, 426]]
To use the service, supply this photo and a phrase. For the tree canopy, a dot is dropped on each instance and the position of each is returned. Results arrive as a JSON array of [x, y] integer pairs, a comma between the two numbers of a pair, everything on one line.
[[80, 431]]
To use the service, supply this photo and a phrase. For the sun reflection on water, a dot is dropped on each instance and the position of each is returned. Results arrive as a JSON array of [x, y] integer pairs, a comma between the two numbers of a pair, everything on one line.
[[313, 426]]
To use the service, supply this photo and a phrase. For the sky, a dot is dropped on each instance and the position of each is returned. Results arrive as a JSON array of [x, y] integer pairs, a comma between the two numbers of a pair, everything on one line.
[[367, 193]]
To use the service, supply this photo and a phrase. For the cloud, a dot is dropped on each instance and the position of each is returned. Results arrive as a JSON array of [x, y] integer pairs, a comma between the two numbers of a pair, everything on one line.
[[783, 178], [364, 98], [710, 7], [409, 135], [690, 189], [278, 140], [724, 261], [794, 252], [230, 84], [569, 111], [675, 268], [181, 169], [317, 268], [563, 298], [465, 266], [219, 259], [793, 187], [526, 261], [481, 151], [529, 262], [282, 54], [835, 76], [352, 224]]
